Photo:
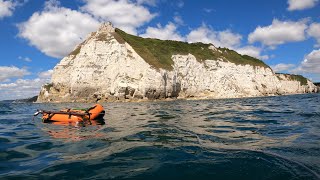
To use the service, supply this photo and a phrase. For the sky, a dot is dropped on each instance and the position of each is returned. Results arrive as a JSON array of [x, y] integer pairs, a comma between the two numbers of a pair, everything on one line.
[[36, 34]]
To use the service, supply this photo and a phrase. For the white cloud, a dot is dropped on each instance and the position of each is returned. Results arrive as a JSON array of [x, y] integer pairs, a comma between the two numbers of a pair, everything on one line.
[[279, 32], [57, 30], [6, 8], [301, 4], [252, 51], [124, 14], [207, 10], [20, 89], [314, 31], [229, 39], [202, 34], [224, 38], [180, 4], [8, 72], [178, 20], [24, 88], [46, 74], [148, 2], [282, 67], [27, 59], [165, 33], [310, 64]]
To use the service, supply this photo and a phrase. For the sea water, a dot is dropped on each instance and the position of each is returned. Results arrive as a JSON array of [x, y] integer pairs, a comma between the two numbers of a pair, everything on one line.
[[251, 138]]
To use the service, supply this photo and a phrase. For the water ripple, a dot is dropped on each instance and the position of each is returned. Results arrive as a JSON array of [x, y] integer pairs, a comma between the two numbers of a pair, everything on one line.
[[253, 138]]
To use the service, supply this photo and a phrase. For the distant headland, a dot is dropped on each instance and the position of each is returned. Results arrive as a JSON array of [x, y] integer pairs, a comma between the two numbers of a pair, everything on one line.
[[111, 65]]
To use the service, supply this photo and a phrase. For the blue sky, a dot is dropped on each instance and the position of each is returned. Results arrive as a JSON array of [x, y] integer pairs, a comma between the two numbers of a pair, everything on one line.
[[36, 35]]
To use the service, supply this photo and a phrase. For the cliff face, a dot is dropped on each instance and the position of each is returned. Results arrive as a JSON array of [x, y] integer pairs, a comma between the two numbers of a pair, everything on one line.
[[318, 86], [107, 68]]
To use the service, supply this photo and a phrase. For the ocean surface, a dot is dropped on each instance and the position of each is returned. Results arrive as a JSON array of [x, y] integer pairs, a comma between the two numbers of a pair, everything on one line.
[[253, 138]]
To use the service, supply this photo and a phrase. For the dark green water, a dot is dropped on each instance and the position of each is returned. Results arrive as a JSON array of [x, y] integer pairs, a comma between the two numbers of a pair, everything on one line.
[[254, 138]]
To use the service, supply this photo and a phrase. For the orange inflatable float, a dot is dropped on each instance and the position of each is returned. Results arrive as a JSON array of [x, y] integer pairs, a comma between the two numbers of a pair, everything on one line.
[[73, 116]]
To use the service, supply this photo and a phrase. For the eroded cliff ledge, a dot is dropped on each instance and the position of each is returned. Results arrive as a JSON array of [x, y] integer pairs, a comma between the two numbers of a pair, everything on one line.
[[111, 65]]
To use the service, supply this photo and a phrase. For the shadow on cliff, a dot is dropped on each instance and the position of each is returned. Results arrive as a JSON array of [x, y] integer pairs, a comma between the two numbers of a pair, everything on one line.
[[173, 92]]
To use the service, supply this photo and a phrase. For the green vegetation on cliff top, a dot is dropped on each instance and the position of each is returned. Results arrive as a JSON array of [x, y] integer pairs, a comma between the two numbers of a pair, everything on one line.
[[158, 53], [293, 77]]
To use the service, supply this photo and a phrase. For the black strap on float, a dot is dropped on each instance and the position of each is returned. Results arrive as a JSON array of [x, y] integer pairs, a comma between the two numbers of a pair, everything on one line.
[[89, 114], [87, 111], [63, 112], [50, 115], [68, 112]]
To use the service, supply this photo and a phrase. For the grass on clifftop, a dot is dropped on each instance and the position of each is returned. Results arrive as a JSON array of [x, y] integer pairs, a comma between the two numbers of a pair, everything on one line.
[[293, 77], [301, 79], [234, 57], [158, 53]]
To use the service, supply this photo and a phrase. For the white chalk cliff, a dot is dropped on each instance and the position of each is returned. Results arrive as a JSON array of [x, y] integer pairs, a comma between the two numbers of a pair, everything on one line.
[[107, 68]]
